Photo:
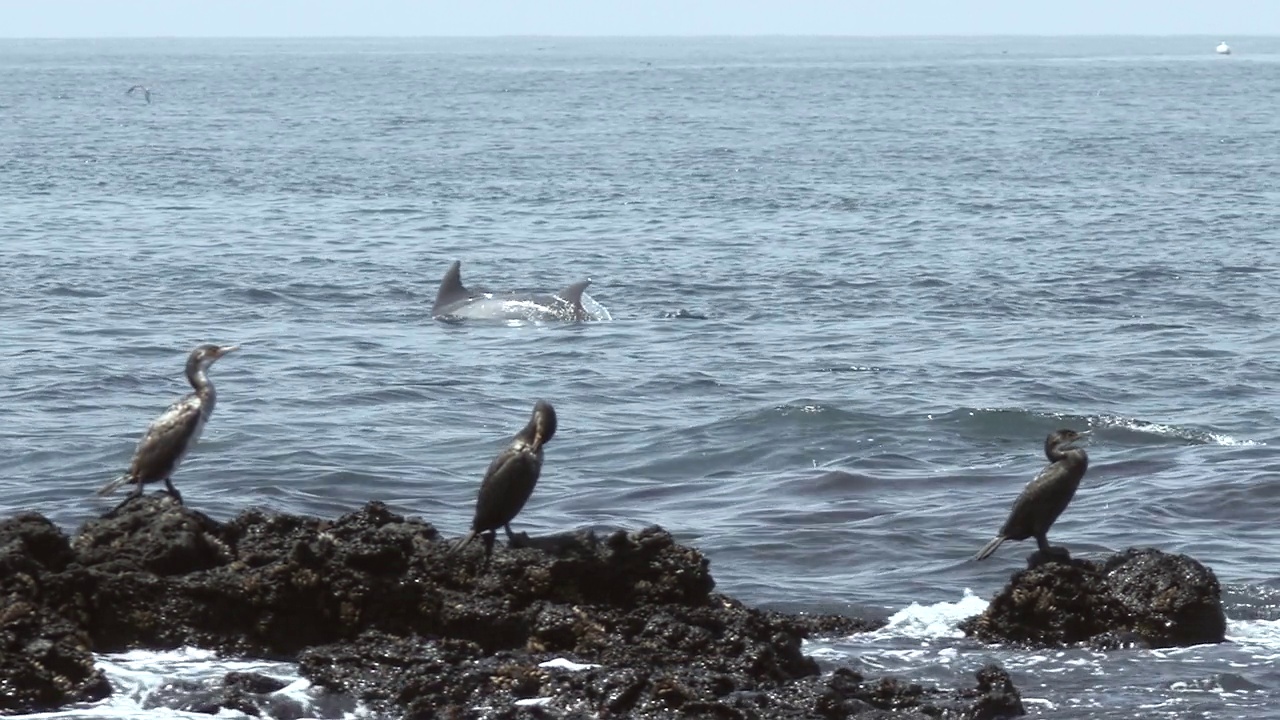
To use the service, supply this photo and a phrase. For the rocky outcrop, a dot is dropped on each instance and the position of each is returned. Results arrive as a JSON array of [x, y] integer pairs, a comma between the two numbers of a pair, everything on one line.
[[45, 656], [429, 678], [1138, 597], [376, 609]]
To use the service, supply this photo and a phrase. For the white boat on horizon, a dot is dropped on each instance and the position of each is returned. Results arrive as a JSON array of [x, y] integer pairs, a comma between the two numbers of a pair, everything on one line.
[[1223, 48]]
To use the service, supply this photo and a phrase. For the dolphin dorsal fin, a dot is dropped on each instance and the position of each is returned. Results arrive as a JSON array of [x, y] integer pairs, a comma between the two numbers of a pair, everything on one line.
[[573, 296], [451, 288]]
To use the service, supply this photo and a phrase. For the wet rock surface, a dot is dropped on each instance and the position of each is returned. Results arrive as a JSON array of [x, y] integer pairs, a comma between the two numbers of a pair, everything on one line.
[[1138, 597], [251, 694], [45, 657], [375, 609], [432, 678]]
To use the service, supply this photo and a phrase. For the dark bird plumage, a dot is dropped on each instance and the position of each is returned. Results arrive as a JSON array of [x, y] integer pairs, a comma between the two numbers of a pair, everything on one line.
[[511, 477], [1045, 497], [172, 435]]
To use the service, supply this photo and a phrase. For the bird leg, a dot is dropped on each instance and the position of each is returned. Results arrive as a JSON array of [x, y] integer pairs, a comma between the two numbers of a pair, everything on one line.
[[515, 541], [173, 491], [488, 539], [137, 490], [1047, 553]]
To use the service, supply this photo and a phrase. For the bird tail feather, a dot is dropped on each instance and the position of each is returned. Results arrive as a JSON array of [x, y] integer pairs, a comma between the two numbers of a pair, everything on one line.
[[989, 548], [465, 542], [114, 485]]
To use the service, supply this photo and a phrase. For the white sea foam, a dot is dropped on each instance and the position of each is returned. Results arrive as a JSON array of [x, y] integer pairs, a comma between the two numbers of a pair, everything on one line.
[[924, 642], [1260, 638], [137, 676], [565, 664], [938, 620]]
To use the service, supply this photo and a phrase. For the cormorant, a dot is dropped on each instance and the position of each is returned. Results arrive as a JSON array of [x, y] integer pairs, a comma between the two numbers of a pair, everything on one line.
[[511, 477], [176, 431], [1045, 497]]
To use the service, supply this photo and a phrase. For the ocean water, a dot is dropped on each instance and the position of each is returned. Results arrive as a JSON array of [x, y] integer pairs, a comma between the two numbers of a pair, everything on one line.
[[852, 285]]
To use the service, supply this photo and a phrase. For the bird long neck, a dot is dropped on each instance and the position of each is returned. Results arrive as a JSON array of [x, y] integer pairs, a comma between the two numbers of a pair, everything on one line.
[[525, 439], [529, 433], [204, 387], [1065, 453]]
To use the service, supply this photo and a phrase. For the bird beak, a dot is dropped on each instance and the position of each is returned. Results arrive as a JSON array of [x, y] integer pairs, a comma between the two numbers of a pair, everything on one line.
[[226, 349]]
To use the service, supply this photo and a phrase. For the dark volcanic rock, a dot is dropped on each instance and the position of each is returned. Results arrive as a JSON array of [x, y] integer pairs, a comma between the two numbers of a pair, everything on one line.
[[272, 585], [376, 609], [155, 535], [847, 694], [45, 659], [1143, 597], [431, 678], [1173, 599]]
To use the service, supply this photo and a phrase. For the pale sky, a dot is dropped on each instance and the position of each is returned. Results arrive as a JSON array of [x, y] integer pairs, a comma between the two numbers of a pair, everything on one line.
[[303, 18]]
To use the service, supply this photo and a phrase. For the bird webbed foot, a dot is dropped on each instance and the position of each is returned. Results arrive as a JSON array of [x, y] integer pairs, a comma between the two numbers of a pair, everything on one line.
[[516, 540], [1048, 554]]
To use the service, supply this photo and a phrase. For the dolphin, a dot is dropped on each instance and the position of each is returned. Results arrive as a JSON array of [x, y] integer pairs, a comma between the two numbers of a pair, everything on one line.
[[146, 92], [454, 302]]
